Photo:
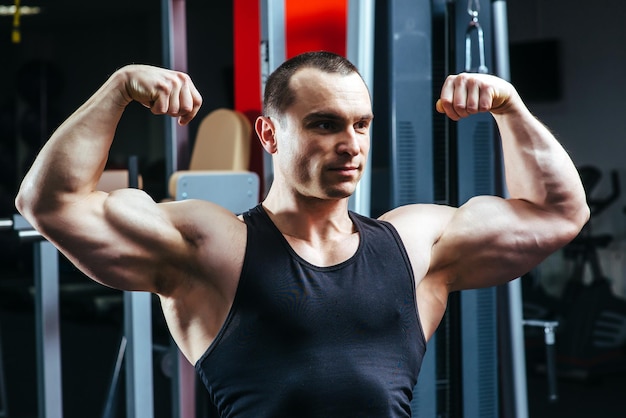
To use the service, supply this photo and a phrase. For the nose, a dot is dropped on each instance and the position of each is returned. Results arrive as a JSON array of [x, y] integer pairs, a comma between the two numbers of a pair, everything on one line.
[[350, 142]]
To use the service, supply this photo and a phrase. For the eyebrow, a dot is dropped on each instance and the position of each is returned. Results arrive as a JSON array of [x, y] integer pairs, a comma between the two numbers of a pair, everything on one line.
[[311, 117]]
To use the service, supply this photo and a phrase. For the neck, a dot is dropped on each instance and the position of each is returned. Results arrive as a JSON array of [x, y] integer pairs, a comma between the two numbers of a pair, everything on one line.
[[308, 218]]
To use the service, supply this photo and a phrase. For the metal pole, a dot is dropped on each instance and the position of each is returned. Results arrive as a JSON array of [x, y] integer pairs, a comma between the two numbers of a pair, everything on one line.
[[47, 326], [512, 352], [273, 53], [174, 53], [174, 30], [360, 50], [501, 39], [550, 338], [138, 333], [48, 335], [551, 361], [517, 355], [111, 400], [171, 150]]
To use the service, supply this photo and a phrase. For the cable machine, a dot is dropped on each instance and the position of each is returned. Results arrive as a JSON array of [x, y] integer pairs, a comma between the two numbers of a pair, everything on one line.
[[431, 159]]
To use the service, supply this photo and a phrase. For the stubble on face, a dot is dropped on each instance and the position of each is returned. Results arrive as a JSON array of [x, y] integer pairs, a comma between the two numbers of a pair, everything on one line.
[[326, 108]]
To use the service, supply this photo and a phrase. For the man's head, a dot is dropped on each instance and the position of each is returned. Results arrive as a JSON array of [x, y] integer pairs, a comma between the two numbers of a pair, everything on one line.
[[316, 125], [279, 95]]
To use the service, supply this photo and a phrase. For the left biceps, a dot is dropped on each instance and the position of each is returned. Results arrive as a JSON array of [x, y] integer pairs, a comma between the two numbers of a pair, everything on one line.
[[491, 241]]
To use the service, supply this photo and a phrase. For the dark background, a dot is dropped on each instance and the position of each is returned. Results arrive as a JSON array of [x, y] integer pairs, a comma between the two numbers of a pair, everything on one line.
[[568, 60]]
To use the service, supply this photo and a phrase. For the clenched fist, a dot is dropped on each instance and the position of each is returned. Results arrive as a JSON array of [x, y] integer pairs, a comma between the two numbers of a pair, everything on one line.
[[164, 92], [468, 93]]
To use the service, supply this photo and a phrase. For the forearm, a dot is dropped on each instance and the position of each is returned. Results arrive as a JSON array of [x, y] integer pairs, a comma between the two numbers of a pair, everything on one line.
[[537, 167], [71, 162]]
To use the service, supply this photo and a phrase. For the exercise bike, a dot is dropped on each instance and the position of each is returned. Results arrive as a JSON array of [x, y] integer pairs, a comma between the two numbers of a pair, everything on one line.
[[591, 336]]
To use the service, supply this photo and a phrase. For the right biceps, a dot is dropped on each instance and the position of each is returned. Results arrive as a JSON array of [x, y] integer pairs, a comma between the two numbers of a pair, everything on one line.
[[122, 240]]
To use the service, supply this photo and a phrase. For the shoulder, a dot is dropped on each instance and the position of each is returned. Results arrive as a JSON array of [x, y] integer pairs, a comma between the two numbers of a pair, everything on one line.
[[200, 219], [419, 226], [422, 222], [215, 241]]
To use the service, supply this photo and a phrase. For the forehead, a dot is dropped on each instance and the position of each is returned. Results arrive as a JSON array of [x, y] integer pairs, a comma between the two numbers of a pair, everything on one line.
[[318, 91]]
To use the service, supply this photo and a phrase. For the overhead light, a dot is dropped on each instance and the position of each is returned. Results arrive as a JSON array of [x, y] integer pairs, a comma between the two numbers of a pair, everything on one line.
[[24, 10]]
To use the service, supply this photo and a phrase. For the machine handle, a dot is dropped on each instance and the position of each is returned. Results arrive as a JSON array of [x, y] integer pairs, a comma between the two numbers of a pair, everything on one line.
[[549, 336], [551, 363]]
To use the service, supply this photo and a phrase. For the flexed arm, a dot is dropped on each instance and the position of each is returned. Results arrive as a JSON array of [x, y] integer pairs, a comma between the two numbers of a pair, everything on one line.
[[71, 163], [538, 169], [104, 234], [547, 205], [490, 240]]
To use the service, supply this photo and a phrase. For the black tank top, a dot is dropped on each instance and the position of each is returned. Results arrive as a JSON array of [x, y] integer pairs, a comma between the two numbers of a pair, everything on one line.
[[307, 341]]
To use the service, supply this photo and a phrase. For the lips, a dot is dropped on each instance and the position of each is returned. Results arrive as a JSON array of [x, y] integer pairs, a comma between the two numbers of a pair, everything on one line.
[[346, 170], [344, 165]]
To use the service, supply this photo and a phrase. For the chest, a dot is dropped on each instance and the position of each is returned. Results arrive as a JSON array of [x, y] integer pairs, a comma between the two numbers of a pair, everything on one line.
[[367, 295], [325, 253], [298, 329]]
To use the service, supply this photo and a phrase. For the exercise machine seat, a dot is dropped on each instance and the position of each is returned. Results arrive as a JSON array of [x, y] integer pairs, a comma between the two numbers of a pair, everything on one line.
[[222, 142], [218, 169]]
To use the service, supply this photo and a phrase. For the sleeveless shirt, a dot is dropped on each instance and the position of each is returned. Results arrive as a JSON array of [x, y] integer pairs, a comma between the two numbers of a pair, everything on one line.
[[308, 341]]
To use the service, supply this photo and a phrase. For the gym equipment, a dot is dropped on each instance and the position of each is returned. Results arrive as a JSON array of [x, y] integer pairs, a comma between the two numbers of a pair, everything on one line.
[[435, 160], [219, 162], [548, 330], [473, 9], [174, 53], [513, 386], [593, 338], [592, 332], [138, 334], [48, 338], [405, 82], [47, 318]]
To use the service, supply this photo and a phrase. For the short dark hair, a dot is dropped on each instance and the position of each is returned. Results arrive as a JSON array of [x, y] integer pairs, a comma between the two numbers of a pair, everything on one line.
[[278, 95]]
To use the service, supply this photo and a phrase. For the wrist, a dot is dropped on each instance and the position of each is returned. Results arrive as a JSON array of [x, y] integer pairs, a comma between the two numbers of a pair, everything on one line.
[[118, 86]]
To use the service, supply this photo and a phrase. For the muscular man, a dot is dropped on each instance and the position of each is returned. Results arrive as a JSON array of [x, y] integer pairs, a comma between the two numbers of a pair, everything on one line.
[[300, 307]]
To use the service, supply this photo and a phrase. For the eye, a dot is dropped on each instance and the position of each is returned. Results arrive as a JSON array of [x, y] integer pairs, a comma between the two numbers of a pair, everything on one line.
[[362, 125], [325, 125]]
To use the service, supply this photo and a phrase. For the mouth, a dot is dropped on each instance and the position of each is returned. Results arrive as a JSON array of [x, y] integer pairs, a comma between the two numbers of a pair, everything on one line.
[[346, 170]]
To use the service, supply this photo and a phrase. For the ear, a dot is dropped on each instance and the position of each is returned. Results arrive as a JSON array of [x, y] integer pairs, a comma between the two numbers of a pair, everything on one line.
[[266, 131]]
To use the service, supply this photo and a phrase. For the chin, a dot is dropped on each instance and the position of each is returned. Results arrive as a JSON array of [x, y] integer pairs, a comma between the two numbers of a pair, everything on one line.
[[339, 193]]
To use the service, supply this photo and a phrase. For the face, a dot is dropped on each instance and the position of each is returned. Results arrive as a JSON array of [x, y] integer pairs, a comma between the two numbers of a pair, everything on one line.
[[322, 140]]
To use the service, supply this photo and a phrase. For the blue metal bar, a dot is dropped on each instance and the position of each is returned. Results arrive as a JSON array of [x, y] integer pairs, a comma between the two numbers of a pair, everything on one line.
[[516, 358], [47, 328], [360, 50], [138, 334]]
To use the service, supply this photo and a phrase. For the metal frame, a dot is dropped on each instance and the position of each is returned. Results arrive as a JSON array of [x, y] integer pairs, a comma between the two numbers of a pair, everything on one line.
[[515, 393], [48, 332], [137, 328], [360, 51], [47, 326], [138, 356], [476, 176], [173, 29], [273, 53]]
